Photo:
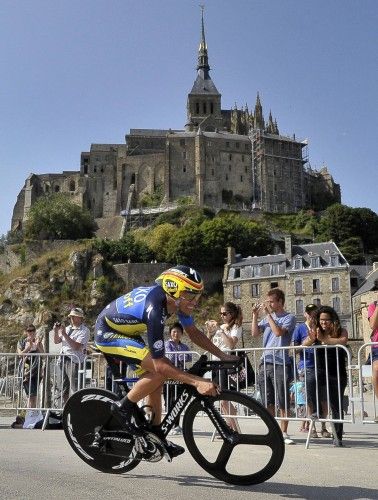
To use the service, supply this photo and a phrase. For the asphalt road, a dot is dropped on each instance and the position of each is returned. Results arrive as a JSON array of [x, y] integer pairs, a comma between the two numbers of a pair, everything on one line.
[[39, 465]]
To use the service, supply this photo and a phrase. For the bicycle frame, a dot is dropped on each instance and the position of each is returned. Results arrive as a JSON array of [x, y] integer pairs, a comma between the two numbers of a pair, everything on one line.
[[186, 393]]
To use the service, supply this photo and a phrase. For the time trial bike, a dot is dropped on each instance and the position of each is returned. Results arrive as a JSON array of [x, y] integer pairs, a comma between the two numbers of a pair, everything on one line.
[[231, 436]]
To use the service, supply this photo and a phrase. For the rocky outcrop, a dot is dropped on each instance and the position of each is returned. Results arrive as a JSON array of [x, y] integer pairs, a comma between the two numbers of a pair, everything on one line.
[[47, 293]]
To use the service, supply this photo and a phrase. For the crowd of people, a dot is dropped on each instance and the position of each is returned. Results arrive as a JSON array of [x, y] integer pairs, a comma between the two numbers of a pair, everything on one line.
[[313, 380]]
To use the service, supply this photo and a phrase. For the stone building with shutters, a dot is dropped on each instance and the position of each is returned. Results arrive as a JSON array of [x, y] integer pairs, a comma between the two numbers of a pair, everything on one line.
[[315, 273]]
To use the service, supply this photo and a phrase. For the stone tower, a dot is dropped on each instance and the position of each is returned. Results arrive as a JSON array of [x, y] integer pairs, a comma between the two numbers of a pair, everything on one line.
[[204, 100]]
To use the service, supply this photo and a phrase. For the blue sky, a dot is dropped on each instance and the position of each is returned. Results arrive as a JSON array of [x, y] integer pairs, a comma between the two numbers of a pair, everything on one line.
[[77, 72]]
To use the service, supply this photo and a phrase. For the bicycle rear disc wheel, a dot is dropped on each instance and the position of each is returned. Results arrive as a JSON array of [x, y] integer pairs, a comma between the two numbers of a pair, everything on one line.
[[258, 450], [85, 411]]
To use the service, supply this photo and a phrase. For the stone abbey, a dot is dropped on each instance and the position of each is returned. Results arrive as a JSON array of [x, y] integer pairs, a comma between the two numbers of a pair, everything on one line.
[[222, 159]]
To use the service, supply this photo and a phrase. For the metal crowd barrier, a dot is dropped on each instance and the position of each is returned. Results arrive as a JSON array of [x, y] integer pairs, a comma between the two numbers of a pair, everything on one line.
[[44, 383], [34, 380], [182, 360], [369, 408]]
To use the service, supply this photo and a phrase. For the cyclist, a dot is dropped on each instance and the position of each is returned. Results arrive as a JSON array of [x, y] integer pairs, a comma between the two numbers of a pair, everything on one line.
[[146, 309]]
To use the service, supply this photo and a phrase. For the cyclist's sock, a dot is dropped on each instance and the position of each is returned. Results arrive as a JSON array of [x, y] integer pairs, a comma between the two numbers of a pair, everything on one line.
[[124, 410]]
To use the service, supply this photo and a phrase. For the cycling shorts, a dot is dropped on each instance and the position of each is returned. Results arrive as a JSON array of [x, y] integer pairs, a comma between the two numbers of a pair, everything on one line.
[[130, 350]]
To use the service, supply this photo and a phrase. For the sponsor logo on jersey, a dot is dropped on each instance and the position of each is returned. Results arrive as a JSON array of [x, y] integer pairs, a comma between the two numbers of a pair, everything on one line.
[[163, 319], [118, 321], [149, 310], [158, 345], [125, 321]]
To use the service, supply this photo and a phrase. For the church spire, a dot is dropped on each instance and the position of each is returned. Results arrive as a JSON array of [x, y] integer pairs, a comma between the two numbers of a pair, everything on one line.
[[203, 60], [259, 119], [204, 100]]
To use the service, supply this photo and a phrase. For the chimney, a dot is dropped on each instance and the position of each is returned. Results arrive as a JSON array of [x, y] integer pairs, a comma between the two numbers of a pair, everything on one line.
[[231, 255], [288, 254]]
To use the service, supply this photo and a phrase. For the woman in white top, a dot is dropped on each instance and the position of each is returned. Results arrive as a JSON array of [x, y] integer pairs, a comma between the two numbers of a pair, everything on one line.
[[227, 335], [229, 332]]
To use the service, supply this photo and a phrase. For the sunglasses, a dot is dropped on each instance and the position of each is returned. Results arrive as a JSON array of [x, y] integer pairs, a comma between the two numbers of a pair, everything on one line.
[[30, 330], [224, 313], [191, 297]]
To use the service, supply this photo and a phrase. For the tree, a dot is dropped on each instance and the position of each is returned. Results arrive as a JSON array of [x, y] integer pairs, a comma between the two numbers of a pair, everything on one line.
[[352, 249], [57, 217], [127, 248], [158, 239], [246, 236], [367, 228], [183, 215], [186, 246], [338, 223], [341, 223]]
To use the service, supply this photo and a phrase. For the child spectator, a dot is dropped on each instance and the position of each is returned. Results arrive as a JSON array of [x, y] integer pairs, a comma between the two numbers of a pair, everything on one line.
[[298, 399]]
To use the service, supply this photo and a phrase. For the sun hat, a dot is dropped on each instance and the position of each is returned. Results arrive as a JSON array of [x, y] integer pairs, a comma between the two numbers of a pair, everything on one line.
[[77, 311]]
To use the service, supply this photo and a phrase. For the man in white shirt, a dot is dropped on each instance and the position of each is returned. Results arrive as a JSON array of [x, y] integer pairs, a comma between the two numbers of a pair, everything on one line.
[[74, 339]]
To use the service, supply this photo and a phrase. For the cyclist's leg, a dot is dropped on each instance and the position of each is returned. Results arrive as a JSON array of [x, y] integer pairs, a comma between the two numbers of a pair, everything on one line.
[[154, 400], [149, 386], [133, 351]]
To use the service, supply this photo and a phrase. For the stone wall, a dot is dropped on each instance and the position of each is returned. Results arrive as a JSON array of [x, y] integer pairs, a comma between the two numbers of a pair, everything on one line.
[[139, 274], [135, 274]]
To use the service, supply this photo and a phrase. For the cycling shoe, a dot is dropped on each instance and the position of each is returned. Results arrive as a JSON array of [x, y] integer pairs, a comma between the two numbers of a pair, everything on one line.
[[173, 449]]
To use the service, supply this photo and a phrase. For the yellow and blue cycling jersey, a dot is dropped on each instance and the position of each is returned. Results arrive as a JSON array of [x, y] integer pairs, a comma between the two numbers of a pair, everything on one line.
[[120, 325]]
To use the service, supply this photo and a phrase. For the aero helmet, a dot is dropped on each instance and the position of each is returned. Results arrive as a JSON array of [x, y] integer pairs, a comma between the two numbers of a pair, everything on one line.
[[180, 279]]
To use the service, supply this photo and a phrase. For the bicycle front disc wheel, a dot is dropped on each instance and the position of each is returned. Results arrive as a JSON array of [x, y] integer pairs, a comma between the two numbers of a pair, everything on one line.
[[257, 448]]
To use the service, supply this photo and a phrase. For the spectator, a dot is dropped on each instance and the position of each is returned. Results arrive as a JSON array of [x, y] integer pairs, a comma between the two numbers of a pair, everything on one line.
[[227, 335], [298, 398], [274, 371], [331, 362], [373, 321], [307, 363], [74, 339], [174, 351], [34, 419], [30, 366], [175, 347]]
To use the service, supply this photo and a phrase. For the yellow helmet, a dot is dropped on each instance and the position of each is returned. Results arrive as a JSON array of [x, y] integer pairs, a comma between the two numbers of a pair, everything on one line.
[[180, 279]]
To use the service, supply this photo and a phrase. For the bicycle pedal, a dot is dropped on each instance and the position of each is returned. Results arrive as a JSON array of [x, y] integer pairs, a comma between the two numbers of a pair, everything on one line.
[[97, 440]]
